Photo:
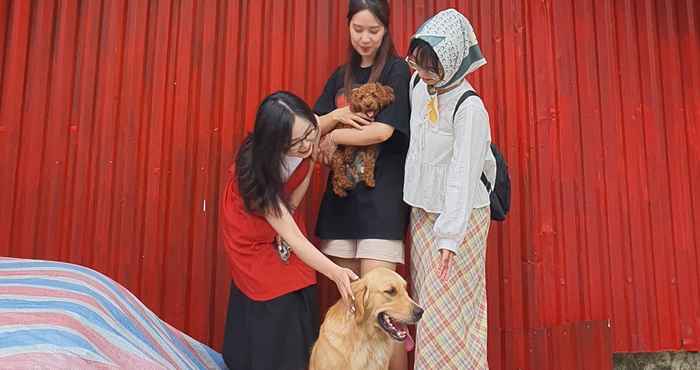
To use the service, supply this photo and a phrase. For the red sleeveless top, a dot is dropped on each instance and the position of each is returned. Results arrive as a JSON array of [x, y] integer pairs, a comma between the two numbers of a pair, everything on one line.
[[249, 240]]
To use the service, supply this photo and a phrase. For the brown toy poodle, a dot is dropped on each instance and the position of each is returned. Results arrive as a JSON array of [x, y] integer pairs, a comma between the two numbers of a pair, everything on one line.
[[352, 164]]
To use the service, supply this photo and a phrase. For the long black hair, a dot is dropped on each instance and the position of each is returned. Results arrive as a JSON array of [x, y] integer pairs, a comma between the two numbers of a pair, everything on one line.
[[380, 9], [260, 158]]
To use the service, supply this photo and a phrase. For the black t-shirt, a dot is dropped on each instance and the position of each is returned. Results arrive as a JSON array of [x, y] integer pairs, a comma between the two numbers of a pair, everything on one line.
[[379, 212]]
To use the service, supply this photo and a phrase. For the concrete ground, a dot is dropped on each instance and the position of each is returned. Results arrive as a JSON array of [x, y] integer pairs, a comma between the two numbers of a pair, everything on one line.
[[657, 361]]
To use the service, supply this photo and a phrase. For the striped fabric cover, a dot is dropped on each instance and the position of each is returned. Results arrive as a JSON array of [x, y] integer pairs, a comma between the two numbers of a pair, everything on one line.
[[62, 316]]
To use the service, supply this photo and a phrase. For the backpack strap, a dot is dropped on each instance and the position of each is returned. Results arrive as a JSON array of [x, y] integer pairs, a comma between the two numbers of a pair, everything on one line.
[[486, 182], [416, 79], [461, 100]]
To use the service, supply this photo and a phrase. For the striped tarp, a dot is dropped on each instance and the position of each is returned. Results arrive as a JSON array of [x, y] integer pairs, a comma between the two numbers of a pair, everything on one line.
[[62, 316]]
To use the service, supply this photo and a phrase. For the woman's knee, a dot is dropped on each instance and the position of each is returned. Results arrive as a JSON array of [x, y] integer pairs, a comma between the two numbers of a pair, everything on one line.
[[367, 265]]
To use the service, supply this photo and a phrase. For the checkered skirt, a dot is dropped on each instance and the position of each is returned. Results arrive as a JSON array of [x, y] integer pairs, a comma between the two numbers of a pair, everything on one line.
[[452, 332]]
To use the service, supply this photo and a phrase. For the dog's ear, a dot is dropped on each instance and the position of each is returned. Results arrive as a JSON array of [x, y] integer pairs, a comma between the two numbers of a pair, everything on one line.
[[355, 102], [361, 293], [356, 93], [387, 95]]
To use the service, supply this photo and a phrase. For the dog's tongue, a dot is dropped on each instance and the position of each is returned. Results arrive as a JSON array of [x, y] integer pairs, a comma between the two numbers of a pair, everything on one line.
[[408, 343]]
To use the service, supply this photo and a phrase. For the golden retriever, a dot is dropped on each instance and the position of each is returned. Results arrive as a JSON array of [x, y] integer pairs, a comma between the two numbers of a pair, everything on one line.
[[363, 340]]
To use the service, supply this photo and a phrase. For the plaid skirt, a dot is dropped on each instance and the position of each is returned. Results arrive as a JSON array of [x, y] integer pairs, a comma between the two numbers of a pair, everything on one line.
[[452, 332]]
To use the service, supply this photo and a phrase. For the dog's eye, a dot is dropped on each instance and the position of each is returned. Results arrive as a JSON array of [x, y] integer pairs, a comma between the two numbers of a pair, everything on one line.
[[391, 291]]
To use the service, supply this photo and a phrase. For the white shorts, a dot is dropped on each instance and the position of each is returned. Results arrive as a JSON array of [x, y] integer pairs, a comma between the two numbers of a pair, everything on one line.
[[375, 249]]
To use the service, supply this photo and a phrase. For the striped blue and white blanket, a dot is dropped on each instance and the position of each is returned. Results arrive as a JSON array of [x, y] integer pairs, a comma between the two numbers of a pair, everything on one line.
[[62, 316]]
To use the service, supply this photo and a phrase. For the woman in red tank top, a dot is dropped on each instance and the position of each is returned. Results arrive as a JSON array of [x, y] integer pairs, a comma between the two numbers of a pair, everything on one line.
[[272, 310]]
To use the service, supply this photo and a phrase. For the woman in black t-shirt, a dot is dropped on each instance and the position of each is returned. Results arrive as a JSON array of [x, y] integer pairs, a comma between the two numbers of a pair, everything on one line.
[[365, 229]]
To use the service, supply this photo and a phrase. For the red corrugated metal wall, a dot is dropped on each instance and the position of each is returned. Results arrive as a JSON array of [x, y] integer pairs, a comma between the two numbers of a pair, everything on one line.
[[118, 120]]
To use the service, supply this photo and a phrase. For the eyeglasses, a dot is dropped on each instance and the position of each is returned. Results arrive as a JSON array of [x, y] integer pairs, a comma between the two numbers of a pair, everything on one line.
[[429, 74], [309, 136]]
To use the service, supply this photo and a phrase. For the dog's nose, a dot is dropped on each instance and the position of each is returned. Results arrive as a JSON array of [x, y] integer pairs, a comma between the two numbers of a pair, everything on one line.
[[418, 313]]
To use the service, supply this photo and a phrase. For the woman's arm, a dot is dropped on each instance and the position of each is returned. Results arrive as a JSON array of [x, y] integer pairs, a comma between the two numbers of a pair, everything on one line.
[[285, 226], [288, 230], [470, 145], [328, 122], [374, 133]]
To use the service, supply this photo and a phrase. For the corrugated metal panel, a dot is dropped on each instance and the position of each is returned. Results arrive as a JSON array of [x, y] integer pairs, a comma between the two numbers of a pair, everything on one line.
[[119, 119]]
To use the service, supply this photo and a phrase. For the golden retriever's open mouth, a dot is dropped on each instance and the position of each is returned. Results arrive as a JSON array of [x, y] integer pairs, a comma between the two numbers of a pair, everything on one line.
[[396, 329]]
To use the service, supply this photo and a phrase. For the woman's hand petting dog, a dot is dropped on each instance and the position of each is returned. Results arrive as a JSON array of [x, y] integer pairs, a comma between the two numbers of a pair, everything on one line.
[[342, 278], [356, 120]]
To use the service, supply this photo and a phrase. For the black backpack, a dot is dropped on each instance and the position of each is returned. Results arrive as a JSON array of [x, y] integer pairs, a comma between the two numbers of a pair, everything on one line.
[[500, 196]]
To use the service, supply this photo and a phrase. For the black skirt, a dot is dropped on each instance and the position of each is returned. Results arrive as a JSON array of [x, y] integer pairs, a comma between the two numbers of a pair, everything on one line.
[[271, 335]]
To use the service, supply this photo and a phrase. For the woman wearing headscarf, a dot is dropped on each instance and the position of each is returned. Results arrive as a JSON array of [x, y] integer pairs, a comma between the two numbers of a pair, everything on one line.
[[448, 153]]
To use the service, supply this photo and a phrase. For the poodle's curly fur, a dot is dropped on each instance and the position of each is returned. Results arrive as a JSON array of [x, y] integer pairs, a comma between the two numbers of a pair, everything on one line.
[[369, 98]]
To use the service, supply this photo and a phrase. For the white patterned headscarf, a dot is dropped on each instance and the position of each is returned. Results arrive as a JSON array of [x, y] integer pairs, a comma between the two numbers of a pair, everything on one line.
[[452, 38]]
